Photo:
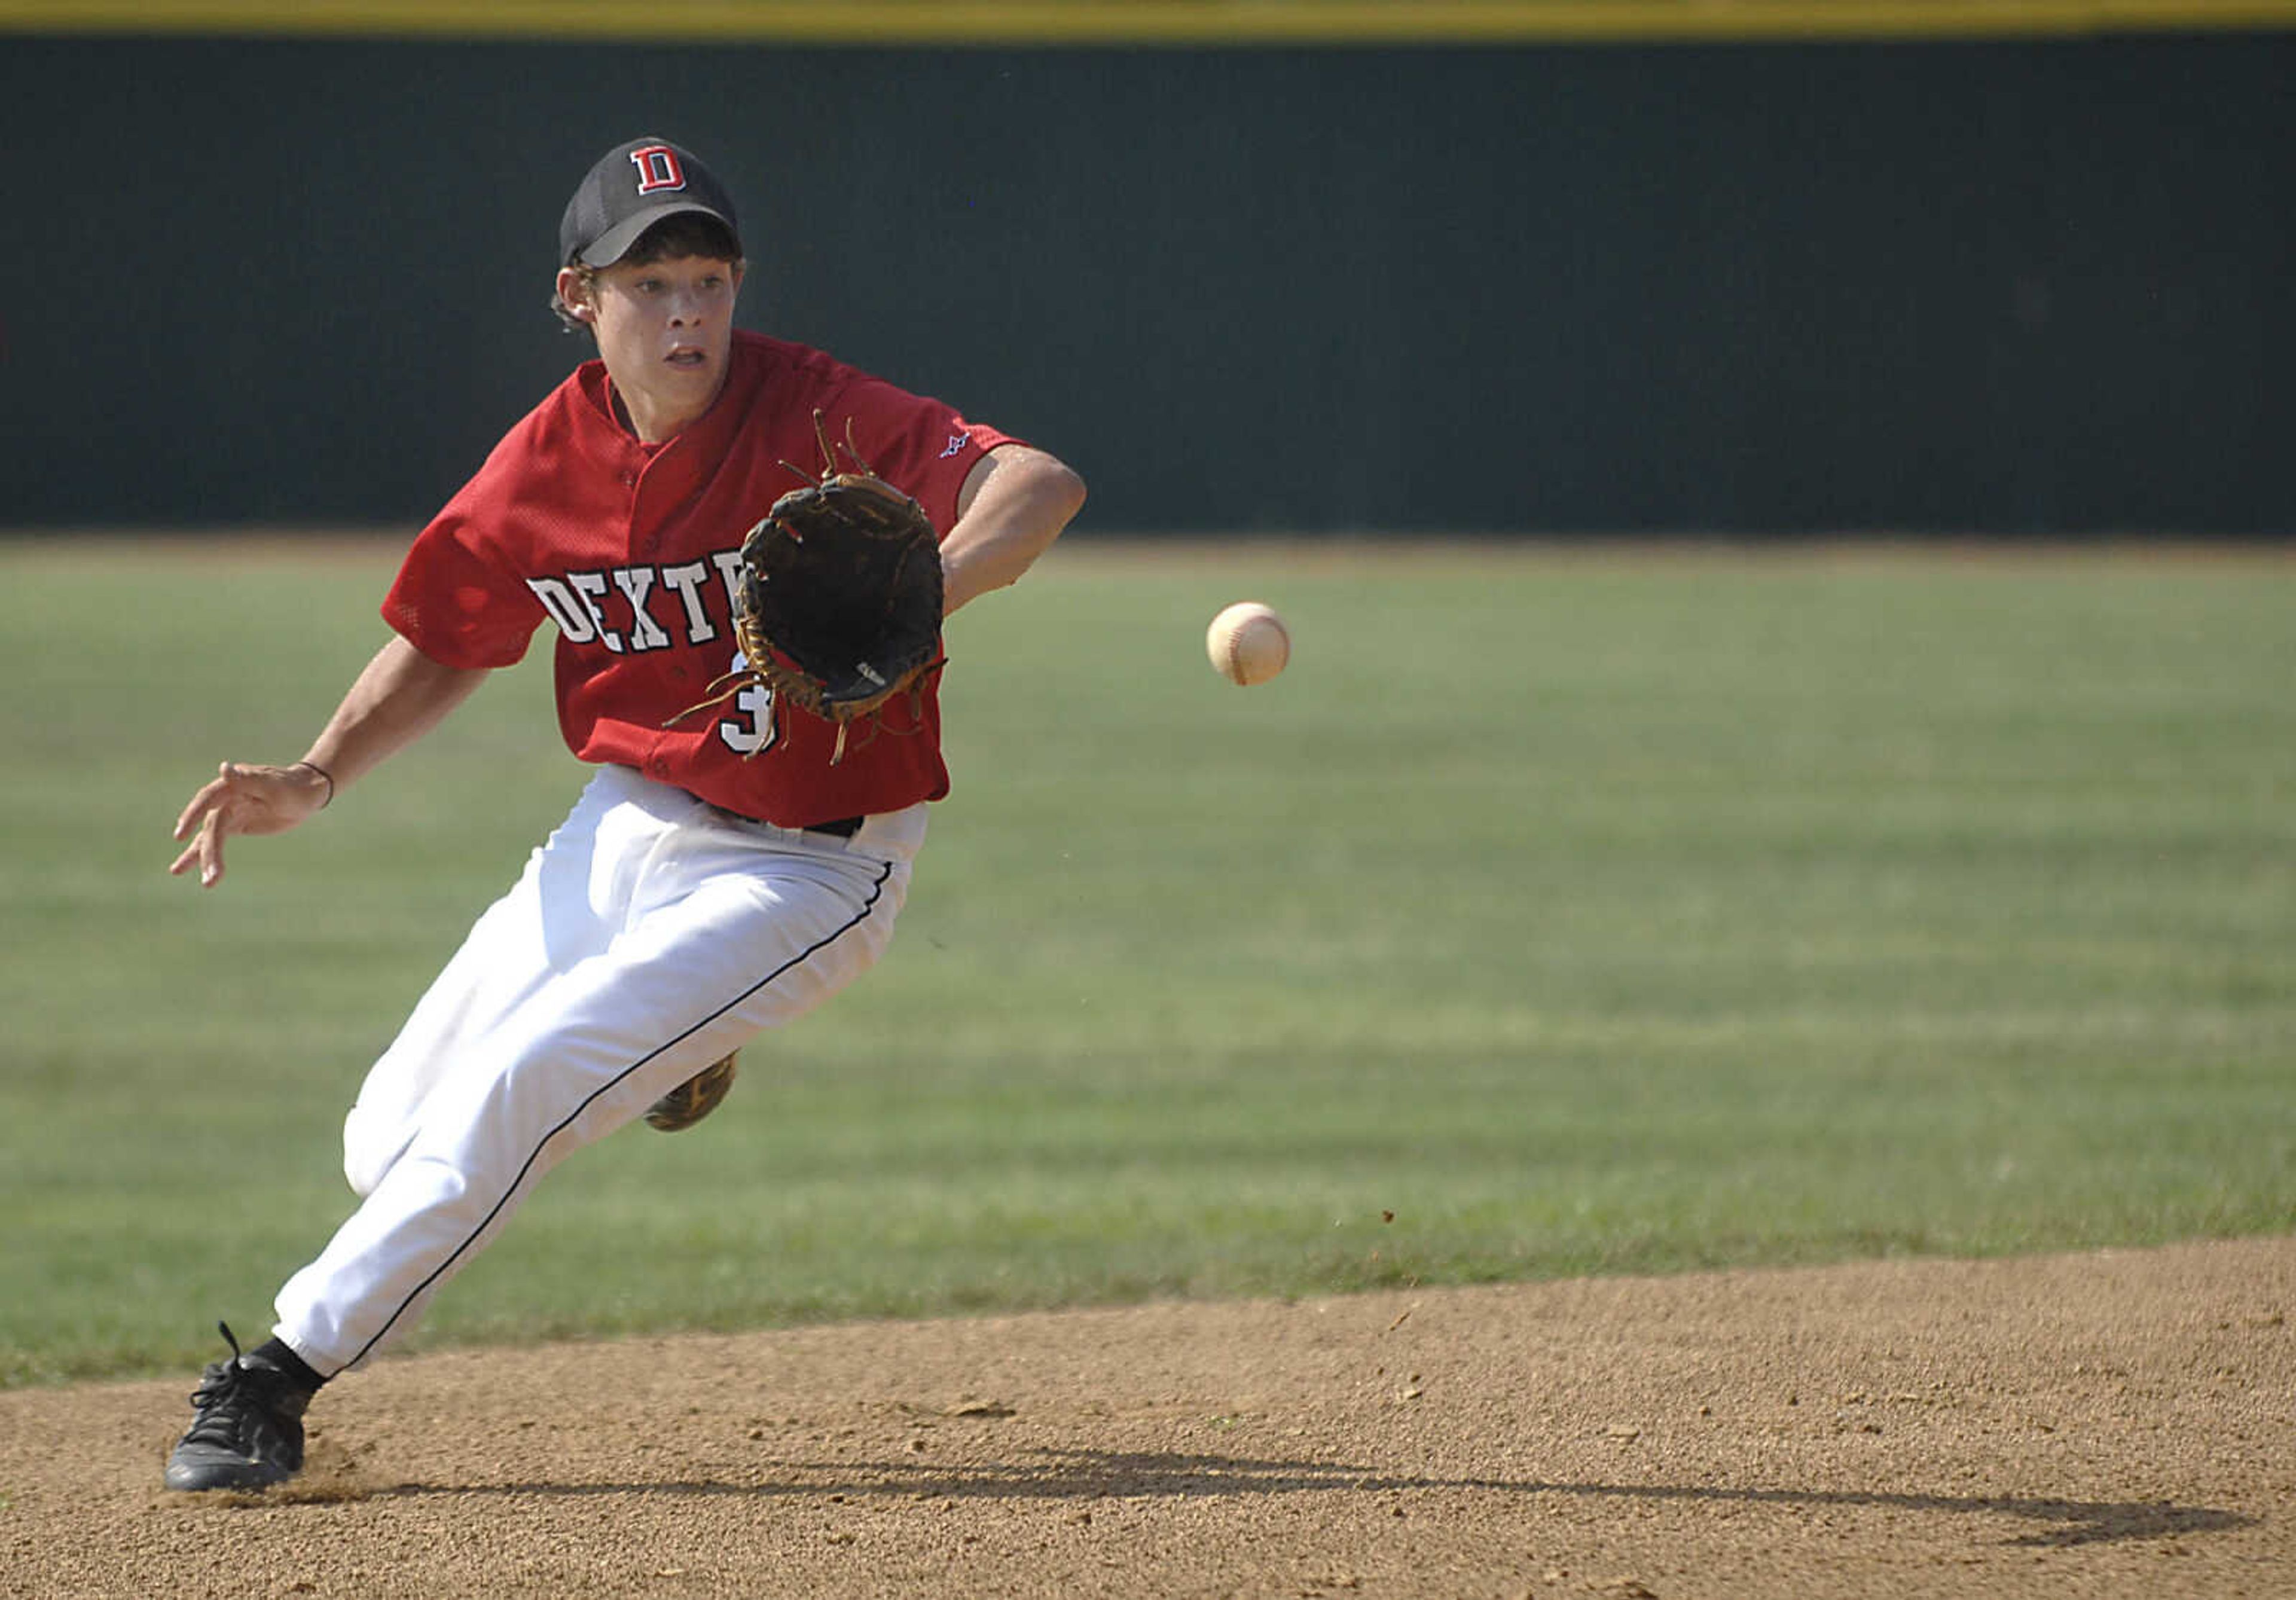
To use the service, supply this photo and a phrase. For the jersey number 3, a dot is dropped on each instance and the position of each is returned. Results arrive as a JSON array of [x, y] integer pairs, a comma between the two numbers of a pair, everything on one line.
[[757, 728]]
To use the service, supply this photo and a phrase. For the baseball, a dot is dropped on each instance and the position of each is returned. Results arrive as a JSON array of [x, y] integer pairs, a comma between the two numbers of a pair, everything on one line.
[[1248, 642]]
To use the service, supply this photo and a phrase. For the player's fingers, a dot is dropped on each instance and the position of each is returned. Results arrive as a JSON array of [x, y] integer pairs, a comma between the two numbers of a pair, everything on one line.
[[213, 820], [211, 795], [199, 853], [193, 813], [210, 851], [193, 852]]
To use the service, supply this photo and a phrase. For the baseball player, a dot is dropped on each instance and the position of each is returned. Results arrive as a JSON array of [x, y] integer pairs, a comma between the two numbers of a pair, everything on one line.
[[719, 875]]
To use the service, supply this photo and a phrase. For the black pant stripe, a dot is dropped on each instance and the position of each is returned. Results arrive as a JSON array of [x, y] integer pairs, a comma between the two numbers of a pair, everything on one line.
[[876, 893]]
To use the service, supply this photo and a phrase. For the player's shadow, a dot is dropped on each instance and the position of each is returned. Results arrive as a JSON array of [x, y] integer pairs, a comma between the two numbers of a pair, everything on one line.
[[1057, 1474]]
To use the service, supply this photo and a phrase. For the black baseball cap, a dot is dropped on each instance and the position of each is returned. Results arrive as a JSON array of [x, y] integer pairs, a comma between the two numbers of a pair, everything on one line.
[[631, 187]]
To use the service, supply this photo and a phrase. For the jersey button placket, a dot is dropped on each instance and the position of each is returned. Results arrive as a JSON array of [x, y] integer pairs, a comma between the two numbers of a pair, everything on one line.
[[645, 530]]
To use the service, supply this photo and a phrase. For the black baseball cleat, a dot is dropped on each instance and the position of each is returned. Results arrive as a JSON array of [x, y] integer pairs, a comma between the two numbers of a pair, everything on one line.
[[250, 1432], [695, 1098]]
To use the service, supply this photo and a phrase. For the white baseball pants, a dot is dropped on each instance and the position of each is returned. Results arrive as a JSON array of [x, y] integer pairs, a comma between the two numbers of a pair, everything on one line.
[[650, 935]]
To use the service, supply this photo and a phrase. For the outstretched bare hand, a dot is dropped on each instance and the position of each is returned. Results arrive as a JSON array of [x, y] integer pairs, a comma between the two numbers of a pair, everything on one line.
[[241, 799]]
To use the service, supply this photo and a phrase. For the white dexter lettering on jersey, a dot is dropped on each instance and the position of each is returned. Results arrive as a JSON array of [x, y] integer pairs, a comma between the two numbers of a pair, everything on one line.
[[573, 618], [578, 601], [636, 583], [591, 587], [729, 568], [687, 581]]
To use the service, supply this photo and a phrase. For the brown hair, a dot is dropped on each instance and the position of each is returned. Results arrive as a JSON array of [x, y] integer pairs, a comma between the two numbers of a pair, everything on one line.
[[675, 238]]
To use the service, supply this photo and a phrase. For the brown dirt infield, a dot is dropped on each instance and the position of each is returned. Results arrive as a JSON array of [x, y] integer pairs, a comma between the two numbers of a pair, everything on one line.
[[2117, 1424]]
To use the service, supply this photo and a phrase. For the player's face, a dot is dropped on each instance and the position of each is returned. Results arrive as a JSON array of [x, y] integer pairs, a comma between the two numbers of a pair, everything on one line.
[[666, 331]]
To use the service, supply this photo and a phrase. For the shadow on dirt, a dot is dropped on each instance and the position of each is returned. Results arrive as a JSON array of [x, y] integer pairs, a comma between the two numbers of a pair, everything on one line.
[[1090, 1474]]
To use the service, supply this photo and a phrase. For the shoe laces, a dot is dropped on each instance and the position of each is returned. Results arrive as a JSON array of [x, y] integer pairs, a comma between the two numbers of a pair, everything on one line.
[[231, 1390]]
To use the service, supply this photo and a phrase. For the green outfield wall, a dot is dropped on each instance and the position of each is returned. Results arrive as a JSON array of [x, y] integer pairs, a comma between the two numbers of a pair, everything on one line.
[[1539, 277]]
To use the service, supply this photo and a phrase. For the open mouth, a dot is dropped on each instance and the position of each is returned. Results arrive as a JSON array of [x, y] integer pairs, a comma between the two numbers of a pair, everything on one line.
[[688, 358]]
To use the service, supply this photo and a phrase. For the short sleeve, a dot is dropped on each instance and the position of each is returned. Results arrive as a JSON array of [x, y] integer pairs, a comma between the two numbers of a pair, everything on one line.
[[454, 606], [918, 443]]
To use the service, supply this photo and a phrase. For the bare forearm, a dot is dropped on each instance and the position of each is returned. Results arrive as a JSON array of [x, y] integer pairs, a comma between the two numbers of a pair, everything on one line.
[[1013, 507], [401, 695]]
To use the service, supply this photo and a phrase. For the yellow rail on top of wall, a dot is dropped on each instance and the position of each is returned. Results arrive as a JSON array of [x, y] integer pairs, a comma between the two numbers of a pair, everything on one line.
[[1186, 22]]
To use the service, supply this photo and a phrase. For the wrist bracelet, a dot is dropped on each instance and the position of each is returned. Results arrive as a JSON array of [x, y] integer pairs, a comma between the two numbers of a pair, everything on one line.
[[329, 778]]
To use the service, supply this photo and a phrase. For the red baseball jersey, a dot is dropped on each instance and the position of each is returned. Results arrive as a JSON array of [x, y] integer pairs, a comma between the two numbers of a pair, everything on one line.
[[634, 551]]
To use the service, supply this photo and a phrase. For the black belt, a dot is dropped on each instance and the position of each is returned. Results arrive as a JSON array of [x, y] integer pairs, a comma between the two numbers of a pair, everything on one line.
[[843, 827]]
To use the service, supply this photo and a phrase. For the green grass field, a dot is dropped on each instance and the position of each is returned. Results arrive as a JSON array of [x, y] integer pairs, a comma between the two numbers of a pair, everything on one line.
[[1559, 912]]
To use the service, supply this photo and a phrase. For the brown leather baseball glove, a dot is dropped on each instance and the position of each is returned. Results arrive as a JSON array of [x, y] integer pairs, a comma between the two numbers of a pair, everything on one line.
[[839, 606]]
